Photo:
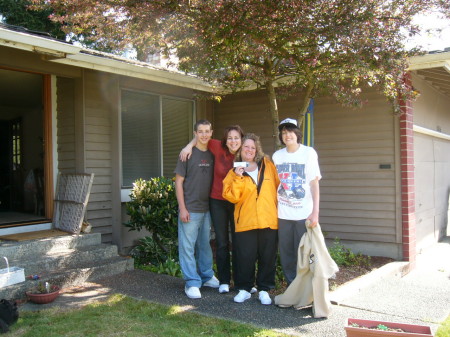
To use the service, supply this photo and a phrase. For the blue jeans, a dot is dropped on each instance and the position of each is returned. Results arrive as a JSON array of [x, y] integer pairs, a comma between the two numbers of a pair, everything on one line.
[[195, 250]]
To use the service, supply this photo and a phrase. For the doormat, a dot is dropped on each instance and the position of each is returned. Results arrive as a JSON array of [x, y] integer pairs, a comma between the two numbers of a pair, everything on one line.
[[49, 233]]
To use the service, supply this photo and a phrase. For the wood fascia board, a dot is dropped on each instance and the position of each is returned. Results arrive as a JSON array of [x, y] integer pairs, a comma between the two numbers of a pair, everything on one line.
[[134, 70], [63, 53]]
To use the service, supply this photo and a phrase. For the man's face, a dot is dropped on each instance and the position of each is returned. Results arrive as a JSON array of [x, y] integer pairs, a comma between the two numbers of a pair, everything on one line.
[[203, 134]]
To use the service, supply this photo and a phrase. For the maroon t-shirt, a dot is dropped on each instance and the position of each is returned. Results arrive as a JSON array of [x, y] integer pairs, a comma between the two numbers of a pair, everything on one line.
[[223, 162]]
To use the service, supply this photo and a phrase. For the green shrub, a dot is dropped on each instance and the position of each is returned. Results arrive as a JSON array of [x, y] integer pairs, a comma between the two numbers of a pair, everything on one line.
[[345, 257], [153, 206]]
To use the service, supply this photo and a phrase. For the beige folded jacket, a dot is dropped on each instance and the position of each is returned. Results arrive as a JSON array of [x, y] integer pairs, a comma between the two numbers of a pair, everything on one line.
[[314, 267]]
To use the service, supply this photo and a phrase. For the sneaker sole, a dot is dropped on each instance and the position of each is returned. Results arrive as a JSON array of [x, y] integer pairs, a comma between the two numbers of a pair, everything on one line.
[[193, 297]]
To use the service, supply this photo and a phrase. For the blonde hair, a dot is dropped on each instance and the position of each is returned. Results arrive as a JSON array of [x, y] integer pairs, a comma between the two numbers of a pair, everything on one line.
[[259, 152]]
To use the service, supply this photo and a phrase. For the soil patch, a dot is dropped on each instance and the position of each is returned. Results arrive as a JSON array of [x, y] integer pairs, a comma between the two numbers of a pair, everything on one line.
[[347, 273]]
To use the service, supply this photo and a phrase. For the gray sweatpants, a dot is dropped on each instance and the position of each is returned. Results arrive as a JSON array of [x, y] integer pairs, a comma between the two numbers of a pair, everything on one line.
[[290, 233]]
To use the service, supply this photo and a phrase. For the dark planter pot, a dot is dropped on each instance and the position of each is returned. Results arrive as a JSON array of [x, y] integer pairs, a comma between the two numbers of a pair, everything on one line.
[[43, 298], [409, 330]]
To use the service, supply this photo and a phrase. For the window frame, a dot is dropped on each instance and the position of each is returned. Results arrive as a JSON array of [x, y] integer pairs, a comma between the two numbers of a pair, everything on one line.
[[125, 191]]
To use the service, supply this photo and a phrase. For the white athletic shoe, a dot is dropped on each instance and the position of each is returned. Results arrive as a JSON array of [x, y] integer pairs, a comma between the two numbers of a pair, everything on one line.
[[213, 282], [265, 298], [192, 292], [224, 288], [242, 296]]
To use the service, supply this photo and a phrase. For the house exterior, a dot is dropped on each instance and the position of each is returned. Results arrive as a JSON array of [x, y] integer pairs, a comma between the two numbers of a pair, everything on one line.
[[67, 109], [385, 185], [386, 182]]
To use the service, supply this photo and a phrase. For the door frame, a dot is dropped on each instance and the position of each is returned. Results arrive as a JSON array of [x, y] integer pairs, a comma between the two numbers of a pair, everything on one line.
[[47, 132]]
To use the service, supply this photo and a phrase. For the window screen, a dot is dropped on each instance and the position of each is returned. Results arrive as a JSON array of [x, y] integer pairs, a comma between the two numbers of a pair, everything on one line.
[[140, 136]]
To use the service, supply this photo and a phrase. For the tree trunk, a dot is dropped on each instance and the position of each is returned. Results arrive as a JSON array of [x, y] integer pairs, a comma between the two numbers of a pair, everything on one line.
[[273, 109], [304, 103]]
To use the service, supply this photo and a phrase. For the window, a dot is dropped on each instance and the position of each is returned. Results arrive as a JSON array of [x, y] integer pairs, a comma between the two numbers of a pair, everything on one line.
[[147, 153]]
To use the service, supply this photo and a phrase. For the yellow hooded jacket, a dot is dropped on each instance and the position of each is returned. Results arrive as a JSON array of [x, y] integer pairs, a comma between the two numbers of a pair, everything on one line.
[[255, 204]]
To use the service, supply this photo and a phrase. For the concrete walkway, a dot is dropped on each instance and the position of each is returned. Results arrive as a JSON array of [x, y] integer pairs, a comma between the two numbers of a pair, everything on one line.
[[421, 297]]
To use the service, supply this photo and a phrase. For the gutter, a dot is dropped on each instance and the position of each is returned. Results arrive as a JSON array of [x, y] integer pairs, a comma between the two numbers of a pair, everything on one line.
[[65, 53]]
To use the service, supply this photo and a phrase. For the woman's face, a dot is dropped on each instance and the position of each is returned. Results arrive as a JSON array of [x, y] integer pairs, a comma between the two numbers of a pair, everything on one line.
[[248, 152], [234, 141]]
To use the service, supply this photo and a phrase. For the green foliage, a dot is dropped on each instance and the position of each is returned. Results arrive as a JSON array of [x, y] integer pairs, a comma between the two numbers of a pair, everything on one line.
[[279, 275], [18, 13], [170, 267], [345, 257], [444, 328], [154, 207], [147, 251]]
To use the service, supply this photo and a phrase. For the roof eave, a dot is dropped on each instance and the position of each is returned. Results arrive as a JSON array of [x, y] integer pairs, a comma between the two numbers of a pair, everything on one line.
[[63, 53]]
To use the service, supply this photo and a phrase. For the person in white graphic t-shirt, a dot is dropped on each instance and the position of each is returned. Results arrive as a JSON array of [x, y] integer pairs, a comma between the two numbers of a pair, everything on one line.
[[298, 193]]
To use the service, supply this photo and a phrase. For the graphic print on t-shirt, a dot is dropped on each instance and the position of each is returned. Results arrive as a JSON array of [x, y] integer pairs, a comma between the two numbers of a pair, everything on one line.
[[292, 179], [204, 165]]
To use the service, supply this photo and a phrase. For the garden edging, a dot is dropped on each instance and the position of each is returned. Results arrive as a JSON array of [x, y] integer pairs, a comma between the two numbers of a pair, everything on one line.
[[393, 269]]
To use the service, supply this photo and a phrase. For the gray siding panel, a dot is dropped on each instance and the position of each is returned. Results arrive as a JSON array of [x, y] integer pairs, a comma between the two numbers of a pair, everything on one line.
[[98, 158], [66, 124], [357, 196], [358, 199], [432, 164]]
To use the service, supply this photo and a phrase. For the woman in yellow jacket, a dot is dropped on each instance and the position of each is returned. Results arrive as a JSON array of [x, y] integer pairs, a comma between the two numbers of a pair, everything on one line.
[[252, 187]]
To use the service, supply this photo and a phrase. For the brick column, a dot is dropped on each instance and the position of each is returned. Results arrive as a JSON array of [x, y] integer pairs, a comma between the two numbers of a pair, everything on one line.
[[407, 183]]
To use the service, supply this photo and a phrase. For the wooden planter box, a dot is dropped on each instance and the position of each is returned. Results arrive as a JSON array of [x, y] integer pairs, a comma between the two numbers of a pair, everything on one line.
[[410, 330]]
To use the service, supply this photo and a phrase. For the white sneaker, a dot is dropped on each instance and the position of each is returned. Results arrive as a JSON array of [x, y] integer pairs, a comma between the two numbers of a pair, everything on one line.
[[253, 290], [265, 298], [212, 283], [192, 292], [242, 296], [224, 288]]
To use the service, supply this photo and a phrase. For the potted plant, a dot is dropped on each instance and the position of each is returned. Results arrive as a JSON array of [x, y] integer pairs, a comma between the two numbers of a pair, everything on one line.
[[43, 293], [369, 328]]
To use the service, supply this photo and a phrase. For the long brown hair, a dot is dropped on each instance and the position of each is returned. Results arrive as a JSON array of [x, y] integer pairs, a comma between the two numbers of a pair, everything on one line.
[[227, 131]]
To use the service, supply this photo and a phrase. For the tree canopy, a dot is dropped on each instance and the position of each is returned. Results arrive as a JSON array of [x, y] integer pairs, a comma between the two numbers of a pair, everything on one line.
[[18, 13], [309, 47]]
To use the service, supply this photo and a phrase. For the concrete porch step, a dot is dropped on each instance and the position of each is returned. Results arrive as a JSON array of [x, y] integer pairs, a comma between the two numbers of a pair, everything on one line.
[[88, 272], [65, 259], [32, 248]]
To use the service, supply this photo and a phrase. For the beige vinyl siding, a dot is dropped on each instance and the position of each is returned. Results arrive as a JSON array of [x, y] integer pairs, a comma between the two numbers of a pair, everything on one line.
[[99, 105], [176, 119], [432, 164], [66, 125], [251, 111], [358, 199]]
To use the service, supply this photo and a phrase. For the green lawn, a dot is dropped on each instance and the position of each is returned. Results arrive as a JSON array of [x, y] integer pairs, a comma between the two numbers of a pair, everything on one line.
[[124, 316], [444, 329]]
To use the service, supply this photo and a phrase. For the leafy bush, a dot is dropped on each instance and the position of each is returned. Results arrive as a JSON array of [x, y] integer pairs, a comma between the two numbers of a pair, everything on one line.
[[147, 251], [345, 257], [154, 207]]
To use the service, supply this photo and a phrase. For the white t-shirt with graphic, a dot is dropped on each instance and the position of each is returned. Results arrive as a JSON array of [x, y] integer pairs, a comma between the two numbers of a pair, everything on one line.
[[296, 170]]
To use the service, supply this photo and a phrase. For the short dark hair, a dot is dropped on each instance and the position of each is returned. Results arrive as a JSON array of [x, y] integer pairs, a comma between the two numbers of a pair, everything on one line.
[[227, 131], [201, 122], [293, 129]]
